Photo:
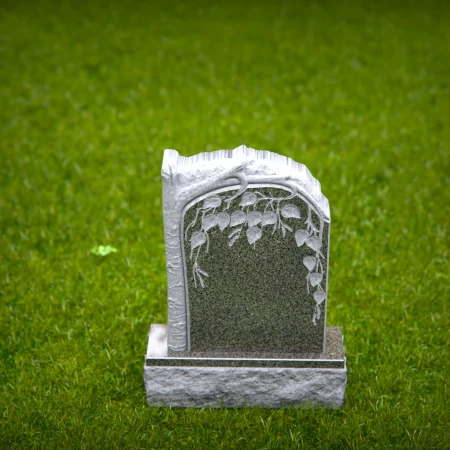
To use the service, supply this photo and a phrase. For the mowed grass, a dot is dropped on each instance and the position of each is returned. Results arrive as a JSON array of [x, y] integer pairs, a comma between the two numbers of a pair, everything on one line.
[[91, 95]]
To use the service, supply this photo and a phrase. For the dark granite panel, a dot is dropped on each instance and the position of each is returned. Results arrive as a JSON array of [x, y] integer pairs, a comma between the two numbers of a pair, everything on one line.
[[334, 357], [255, 296], [266, 363]]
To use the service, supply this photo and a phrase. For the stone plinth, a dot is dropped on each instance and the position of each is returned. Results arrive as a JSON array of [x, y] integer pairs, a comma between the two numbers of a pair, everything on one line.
[[235, 380]]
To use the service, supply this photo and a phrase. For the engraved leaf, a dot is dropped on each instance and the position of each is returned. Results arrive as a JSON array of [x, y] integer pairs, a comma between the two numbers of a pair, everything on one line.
[[290, 211], [236, 230], [315, 278], [249, 198], [314, 243], [237, 218], [198, 238], [310, 262], [253, 234], [209, 221], [212, 202], [202, 283], [319, 297], [300, 237], [234, 239], [253, 218], [223, 219], [316, 316], [269, 218]]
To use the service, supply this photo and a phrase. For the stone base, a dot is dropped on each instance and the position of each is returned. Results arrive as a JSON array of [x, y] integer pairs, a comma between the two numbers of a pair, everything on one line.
[[240, 382]]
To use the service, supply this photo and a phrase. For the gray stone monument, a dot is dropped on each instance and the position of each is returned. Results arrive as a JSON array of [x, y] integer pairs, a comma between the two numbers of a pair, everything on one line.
[[247, 238]]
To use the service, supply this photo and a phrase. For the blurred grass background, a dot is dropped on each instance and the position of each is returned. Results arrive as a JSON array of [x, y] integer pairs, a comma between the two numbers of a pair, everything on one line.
[[91, 95]]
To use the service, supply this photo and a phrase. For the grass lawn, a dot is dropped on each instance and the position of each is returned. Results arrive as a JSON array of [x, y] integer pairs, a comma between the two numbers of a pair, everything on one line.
[[91, 95]]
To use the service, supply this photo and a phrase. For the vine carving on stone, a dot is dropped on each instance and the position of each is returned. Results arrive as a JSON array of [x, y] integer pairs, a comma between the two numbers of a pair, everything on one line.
[[256, 213]]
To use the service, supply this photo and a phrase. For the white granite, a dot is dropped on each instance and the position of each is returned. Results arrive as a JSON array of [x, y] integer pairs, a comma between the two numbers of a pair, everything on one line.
[[234, 387]]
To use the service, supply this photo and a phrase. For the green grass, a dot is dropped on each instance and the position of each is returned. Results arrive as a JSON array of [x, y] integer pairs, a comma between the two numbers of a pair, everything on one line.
[[91, 95]]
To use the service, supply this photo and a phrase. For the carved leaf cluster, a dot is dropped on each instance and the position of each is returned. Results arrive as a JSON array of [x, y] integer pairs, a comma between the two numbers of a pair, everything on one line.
[[255, 220]]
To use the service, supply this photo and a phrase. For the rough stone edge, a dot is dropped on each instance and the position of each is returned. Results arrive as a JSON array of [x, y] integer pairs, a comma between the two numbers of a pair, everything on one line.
[[235, 387], [214, 170]]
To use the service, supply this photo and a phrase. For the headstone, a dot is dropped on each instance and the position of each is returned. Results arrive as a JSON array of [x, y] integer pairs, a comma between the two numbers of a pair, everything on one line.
[[247, 238]]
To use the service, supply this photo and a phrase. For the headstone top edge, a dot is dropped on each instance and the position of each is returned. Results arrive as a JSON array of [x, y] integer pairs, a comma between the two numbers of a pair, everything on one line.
[[173, 162], [241, 153]]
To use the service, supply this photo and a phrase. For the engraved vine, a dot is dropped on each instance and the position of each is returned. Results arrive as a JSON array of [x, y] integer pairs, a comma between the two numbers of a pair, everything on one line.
[[214, 211]]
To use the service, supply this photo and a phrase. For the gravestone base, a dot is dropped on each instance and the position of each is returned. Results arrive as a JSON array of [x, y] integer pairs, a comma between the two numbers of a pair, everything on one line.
[[300, 380]]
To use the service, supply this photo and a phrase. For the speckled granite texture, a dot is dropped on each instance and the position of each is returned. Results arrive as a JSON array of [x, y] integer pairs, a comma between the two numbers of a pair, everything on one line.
[[233, 387], [157, 354], [334, 351], [267, 387], [255, 297]]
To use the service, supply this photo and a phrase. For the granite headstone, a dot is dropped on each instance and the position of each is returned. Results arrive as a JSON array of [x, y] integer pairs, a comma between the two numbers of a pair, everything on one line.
[[247, 243]]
